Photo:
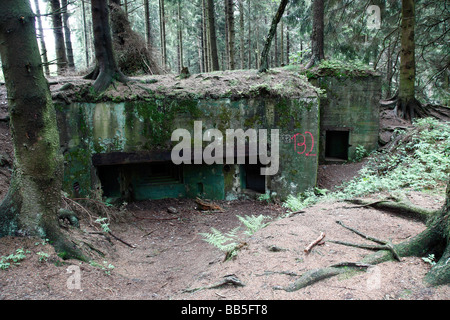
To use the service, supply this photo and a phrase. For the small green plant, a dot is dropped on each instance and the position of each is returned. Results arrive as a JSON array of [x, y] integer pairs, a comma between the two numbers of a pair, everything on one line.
[[226, 242], [106, 267], [253, 223], [360, 153], [43, 242], [14, 258], [229, 242], [43, 256], [305, 199], [104, 224], [430, 259], [268, 197]]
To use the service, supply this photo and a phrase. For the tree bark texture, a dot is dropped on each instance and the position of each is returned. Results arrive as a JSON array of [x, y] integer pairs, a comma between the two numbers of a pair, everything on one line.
[[106, 69], [317, 35], [407, 77], [32, 203], [212, 38], [162, 30]]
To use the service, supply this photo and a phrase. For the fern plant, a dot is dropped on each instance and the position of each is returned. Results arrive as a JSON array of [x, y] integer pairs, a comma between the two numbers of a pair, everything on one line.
[[225, 242], [253, 223], [229, 242]]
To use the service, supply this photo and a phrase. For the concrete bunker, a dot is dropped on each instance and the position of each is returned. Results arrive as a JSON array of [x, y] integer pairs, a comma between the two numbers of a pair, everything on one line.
[[122, 149]]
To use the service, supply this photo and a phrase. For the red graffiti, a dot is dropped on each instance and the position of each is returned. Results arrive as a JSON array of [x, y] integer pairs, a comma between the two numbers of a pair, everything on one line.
[[303, 144]]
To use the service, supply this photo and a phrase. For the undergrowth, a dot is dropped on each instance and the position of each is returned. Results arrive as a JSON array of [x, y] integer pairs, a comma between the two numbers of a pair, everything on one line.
[[418, 160], [229, 242]]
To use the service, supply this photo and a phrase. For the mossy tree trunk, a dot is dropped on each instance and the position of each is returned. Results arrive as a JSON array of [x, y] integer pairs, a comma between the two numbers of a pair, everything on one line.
[[32, 203], [106, 69]]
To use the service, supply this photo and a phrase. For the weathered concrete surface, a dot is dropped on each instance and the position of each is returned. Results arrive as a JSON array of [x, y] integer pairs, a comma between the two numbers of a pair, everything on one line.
[[351, 104], [143, 131], [129, 127]]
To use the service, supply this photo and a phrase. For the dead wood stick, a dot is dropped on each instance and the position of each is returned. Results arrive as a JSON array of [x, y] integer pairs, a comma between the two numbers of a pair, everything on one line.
[[352, 265], [296, 212], [315, 242], [118, 239]]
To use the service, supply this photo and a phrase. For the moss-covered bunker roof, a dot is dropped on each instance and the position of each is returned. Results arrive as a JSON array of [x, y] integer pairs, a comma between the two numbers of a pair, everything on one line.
[[280, 82]]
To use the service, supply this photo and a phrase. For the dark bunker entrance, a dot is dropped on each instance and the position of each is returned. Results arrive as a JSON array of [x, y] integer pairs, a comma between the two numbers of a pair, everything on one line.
[[336, 145], [134, 177]]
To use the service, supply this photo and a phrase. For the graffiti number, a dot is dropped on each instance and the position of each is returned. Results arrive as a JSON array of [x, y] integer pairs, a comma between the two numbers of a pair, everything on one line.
[[303, 144]]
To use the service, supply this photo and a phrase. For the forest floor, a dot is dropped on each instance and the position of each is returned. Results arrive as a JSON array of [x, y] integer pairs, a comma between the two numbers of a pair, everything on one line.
[[170, 256]]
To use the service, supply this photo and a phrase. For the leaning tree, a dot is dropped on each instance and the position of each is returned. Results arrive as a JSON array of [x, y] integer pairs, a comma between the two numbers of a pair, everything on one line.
[[33, 200], [272, 31]]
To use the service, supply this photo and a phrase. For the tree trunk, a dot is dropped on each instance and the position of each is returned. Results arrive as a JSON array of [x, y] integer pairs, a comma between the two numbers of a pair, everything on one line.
[[162, 30], [106, 69], [32, 203], [249, 34], [85, 33], [288, 45], [125, 7], [212, 39], [205, 37], [229, 16], [241, 32], [201, 57], [41, 39], [60, 49], [180, 38], [275, 55], [263, 65], [68, 41], [147, 22], [317, 36], [407, 103]]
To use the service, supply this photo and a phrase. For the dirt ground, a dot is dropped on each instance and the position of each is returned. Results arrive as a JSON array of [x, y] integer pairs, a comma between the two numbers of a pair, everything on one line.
[[169, 257]]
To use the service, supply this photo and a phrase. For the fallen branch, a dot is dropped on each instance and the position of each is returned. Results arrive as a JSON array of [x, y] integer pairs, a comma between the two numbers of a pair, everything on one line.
[[118, 239], [314, 243]]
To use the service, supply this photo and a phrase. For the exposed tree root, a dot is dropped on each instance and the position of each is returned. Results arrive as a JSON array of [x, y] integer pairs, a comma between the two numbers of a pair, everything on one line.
[[434, 238], [230, 279], [401, 207]]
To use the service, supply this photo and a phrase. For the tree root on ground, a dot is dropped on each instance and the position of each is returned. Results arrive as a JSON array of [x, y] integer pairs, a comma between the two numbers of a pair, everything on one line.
[[316, 275], [230, 279], [399, 206]]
